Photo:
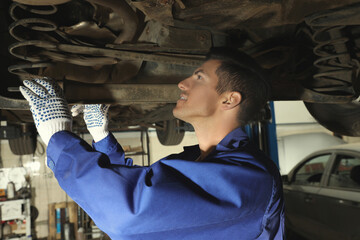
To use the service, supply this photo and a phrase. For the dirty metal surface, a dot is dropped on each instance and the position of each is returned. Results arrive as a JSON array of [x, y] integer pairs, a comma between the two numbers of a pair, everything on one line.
[[348, 15], [186, 60], [127, 55], [122, 9], [160, 10], [122, 93], [13, 104], [230, 14], [176, 38], [125, 94]]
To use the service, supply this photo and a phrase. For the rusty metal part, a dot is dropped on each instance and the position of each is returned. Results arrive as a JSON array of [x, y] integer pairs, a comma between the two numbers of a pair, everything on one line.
[[125, 94], [37, 51], [38, 24], [154, 48], [335, 66], [118, 73], [179, 59], [189, 60], [78, 59], [249, 13], [14, 49], [126, 12], [52, 9], [338, 71], [22, 69], [348, 15], [135, 115], [212, 13], [41, 26], [162, 113], [312, 96], [290, 90], [13, 104], [42, 2], [181, 4], [159, 10], [159, 73], [176, 38], [89, 30]]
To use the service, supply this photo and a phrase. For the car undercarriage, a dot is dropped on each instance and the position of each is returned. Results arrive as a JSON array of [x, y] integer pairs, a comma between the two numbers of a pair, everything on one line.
[[132, 53]]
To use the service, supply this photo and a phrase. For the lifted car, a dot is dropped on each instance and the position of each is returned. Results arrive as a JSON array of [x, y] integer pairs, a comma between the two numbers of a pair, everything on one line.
[[132, 54]]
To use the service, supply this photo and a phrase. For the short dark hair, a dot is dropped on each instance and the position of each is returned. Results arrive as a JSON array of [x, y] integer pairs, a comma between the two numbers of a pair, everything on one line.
[[238, 72]]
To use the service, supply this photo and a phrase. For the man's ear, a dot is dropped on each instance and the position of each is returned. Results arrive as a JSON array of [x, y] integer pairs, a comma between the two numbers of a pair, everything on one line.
[[231, 100]]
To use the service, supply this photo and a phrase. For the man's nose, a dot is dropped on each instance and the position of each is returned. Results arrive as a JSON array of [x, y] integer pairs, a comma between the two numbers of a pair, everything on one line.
[[183, 85]]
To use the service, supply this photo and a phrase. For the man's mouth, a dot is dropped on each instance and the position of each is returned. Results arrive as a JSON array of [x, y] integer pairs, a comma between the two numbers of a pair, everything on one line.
[[183, 97]]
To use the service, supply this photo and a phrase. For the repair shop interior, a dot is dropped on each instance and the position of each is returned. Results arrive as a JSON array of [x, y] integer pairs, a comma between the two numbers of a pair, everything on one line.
[[131, 55]]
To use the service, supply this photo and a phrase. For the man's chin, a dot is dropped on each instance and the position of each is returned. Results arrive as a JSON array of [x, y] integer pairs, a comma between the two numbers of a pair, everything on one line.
[[177, 113]]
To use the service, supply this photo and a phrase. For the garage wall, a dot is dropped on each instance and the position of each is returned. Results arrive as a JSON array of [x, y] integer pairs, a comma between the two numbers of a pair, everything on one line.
[[298, 134], [292, 117]]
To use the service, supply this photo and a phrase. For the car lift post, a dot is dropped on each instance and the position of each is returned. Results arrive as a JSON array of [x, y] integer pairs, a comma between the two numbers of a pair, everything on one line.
[[263, 134]]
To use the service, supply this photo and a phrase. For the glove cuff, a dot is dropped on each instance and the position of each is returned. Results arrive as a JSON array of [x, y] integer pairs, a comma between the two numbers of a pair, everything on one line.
[[47, 129], [98, 134]]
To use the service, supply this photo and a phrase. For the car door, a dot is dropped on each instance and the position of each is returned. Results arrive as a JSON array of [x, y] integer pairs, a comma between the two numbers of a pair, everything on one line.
[[301, 194], [339, 200]]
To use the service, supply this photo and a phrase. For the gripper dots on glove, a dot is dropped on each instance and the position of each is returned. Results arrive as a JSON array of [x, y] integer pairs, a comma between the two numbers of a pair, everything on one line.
[[48, 107], [95, 115]]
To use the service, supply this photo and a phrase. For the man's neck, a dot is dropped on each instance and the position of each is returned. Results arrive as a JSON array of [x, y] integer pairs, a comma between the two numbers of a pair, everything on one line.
[[209, 135]]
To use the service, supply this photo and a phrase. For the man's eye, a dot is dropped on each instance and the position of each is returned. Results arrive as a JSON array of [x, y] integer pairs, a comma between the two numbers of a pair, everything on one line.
[[198, 77]]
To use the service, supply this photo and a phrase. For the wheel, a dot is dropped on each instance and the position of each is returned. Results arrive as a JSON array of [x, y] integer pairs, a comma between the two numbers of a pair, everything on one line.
[[170, 132], [343, 119], [25, 144]]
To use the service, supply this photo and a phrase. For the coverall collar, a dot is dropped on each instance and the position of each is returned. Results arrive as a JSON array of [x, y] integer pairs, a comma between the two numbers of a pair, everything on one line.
[[233, 140]]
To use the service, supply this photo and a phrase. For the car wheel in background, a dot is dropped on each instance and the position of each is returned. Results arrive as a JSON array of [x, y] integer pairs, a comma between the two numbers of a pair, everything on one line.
[[170, 132], [343, 119], [25, 144]]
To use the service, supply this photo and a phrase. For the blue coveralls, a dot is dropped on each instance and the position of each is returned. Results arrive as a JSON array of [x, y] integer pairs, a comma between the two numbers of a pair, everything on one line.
[[234, 193]]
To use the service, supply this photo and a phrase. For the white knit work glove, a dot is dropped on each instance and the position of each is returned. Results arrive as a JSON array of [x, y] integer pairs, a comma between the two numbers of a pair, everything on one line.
[[96, 119], [48, 106]]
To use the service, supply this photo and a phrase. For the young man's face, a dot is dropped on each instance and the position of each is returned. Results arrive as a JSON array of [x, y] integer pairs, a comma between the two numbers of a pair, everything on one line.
[[199, 97]]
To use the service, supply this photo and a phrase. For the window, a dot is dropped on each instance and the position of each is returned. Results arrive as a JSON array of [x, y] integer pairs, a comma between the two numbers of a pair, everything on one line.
[[311, 172], [346, 173]]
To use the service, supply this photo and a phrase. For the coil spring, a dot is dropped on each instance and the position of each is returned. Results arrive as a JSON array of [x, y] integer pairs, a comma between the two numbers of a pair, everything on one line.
[[337, 69], [43, 35], [37, 24]]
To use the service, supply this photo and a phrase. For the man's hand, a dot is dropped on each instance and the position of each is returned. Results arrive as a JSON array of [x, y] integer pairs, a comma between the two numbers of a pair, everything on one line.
[[96, 119], [48, 106]]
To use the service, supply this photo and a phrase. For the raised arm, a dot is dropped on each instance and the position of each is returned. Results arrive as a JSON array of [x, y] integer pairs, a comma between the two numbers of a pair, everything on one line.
[[96, 119]]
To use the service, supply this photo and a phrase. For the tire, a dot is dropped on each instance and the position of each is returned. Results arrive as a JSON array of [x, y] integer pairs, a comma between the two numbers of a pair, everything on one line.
[[343, 119], [25, 144], [170, 133]]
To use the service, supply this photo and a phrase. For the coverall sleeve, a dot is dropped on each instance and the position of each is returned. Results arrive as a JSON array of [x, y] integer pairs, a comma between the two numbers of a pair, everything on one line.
[[105, 191], [113, 150]]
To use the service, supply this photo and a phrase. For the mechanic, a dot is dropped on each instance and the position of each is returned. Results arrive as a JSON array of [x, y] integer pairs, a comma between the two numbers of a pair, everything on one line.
[[223, 188]]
